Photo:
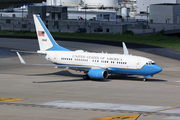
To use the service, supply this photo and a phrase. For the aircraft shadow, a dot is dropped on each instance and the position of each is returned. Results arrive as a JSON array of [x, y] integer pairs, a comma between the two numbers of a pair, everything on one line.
[[73, 80], [134, 78], [110, 78], [68, 74], [61, 73]]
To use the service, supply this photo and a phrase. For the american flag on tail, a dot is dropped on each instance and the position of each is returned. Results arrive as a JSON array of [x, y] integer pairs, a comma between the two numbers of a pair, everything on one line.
[[40, 33]]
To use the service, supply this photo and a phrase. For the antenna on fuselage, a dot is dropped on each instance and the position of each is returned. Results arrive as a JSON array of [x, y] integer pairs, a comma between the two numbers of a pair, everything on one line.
[[126, 52]]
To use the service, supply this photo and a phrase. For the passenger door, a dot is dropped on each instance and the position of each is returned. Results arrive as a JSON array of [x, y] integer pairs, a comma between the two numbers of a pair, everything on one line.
[[55, 58], [138, 64]]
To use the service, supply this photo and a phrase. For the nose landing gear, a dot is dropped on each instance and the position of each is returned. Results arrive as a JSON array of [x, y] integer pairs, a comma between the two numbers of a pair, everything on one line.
[[145, 79]]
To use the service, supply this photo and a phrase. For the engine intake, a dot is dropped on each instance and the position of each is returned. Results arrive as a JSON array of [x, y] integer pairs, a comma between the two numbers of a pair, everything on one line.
[[98, 74]]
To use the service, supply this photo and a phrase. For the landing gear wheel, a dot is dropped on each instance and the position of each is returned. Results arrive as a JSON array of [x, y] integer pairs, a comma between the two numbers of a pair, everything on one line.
[[145, 79], [86, 77]]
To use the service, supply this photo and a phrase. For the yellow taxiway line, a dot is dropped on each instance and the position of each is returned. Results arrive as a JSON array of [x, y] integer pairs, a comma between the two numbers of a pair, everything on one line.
[[10, 99], [125, 117]]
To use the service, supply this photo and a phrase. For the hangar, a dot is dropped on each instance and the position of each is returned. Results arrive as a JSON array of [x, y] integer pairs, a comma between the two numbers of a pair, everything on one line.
[[165, 13]]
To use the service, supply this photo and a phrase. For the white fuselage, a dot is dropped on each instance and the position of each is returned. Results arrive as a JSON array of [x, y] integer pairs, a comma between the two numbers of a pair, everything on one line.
[[101, 60]]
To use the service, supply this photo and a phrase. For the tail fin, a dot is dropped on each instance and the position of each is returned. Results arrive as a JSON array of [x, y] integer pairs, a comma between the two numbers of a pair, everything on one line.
[[45, 39]]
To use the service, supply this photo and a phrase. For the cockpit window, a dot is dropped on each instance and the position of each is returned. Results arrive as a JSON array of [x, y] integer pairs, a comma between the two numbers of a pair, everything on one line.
[[150, 63]]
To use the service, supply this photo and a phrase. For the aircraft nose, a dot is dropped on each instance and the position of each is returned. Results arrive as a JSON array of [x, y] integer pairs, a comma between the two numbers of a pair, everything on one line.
[[157, 68]]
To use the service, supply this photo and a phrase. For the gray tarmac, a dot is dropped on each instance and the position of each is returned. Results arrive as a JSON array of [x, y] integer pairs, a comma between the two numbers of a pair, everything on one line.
[[62, 94]]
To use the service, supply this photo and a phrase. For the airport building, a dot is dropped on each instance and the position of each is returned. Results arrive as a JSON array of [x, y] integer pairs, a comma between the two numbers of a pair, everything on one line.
[[77, 8], [113, 16], [48, 12], [165, 13], [91, 9], [143, 7], [91, 3]]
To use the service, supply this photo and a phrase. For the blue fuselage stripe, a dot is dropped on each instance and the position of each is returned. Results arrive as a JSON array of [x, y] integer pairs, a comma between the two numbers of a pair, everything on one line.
[[146, 70]]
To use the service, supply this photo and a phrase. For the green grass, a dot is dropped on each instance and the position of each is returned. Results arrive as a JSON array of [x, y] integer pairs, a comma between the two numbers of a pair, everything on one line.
[[161, 41]]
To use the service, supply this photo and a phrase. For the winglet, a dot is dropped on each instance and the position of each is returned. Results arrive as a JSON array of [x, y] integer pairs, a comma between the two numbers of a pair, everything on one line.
[[20, 58], [125, 49]]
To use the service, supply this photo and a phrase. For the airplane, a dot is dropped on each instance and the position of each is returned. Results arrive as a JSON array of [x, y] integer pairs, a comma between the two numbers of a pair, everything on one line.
[[94, 65]]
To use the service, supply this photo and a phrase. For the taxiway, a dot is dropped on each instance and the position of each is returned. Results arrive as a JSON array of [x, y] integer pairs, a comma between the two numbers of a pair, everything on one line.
[[62, 94]]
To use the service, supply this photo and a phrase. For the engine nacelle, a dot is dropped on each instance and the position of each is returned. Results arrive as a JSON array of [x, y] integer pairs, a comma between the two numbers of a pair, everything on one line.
[[98, 74]]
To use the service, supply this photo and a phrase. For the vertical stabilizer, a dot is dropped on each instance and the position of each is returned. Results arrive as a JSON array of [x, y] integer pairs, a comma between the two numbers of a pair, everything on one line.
[[45, 39]]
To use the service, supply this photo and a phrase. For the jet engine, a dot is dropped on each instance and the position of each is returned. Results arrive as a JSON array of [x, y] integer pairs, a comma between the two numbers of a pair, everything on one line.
[[98, 74]]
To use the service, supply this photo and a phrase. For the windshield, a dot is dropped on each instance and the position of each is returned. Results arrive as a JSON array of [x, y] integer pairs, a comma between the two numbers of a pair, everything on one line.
[[150, 63]]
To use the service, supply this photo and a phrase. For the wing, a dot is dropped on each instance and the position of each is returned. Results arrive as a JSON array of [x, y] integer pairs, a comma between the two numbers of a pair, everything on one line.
[[74, 67], [29, 52]]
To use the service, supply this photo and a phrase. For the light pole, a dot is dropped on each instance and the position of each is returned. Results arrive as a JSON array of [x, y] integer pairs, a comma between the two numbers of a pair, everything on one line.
[[22, 12], [54, 17], [85, 13], [22, 18], [147, 16], [116, 14]]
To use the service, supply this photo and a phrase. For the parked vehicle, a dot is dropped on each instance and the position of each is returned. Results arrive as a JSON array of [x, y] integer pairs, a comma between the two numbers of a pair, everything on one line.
[[99, 29], [81, 30]]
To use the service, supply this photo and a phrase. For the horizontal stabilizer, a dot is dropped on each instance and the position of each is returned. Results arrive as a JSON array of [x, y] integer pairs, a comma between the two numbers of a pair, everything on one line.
[[20, 58]]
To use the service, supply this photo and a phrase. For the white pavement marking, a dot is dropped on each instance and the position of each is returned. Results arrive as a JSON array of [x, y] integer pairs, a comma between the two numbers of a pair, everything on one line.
[[177, 111], [103, 106], [172, 118]]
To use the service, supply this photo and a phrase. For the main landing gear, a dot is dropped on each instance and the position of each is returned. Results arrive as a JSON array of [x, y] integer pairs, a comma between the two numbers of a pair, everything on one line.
[[86, 77]]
